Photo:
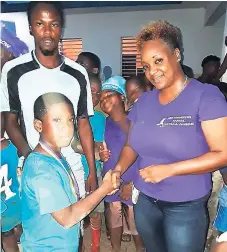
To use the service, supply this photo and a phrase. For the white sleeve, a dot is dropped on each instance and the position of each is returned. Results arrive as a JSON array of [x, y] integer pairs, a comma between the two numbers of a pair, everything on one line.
[[89, 97], [4, 93], [85, 105]]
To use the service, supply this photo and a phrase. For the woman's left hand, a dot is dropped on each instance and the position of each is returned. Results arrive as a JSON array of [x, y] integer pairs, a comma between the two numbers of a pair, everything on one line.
[[156, 173]]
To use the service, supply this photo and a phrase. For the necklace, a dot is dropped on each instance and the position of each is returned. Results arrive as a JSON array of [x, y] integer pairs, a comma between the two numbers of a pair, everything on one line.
[[182, 88], [70, 173]]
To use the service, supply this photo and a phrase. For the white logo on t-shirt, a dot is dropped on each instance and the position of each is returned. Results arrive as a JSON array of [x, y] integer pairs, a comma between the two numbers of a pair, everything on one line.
[[7, 183], [176, 121]]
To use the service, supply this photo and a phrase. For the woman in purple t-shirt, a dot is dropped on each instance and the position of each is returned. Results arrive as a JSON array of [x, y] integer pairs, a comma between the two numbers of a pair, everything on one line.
[[179, 134]]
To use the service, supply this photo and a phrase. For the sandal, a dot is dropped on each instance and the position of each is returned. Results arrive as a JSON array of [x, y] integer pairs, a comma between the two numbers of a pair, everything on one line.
[[126, 237]]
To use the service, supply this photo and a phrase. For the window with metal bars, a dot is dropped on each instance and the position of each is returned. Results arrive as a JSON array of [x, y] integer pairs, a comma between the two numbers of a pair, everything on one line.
[[71, 48], [130, 58]]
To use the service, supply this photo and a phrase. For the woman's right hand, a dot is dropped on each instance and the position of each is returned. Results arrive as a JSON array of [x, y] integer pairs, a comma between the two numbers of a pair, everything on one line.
[[104, 153]]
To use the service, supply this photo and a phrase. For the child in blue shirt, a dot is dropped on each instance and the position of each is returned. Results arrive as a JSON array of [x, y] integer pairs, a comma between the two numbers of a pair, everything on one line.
[[50, 200], [11, 47], [220, 222]]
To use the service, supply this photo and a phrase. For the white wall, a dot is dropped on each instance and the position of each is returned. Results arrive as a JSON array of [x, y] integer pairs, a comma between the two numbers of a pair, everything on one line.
[[224, 48], [102, 32]]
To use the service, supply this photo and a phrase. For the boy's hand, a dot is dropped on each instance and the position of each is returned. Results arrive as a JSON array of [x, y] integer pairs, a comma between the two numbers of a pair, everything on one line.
[[91, 183], [104, 153], [126, 191], [109, 184]]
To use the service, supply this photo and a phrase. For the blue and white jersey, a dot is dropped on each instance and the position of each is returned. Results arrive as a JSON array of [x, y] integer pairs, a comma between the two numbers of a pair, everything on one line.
[[10, 197]]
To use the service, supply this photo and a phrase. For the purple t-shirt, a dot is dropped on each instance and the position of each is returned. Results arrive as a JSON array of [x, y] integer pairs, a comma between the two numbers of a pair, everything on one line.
[[115, 139], [164, 134]]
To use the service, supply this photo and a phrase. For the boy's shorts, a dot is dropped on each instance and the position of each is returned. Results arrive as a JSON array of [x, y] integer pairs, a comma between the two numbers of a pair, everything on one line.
[[119, 214]]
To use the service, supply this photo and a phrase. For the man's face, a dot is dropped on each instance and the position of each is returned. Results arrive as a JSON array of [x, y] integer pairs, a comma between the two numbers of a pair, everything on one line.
[[46, 28]]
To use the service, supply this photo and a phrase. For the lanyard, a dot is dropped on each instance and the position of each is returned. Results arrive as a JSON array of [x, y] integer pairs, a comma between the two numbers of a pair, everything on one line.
[[50, 151]]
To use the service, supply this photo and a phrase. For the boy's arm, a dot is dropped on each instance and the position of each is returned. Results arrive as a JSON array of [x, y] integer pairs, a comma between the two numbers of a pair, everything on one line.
[[77, 147], [11, 106], [53, 198], [87, 143], [73, 214]]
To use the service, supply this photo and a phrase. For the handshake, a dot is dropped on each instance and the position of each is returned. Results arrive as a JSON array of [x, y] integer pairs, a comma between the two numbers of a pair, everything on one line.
[[111, 182]]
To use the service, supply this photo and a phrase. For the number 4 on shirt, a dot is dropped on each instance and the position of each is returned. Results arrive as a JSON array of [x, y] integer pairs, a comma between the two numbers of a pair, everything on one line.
[[5, 187]]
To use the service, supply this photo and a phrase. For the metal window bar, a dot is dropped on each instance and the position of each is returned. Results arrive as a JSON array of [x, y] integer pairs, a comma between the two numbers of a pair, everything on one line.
[[130, 57]]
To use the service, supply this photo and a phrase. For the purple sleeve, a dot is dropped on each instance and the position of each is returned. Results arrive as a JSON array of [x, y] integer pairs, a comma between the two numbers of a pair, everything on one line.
[[132, 114], [212, 104]]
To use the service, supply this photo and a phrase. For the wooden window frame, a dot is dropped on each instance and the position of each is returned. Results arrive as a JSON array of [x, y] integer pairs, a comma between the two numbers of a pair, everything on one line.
[[76, 45]]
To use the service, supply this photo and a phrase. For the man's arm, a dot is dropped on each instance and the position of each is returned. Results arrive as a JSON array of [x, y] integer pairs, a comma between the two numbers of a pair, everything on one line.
[[11, 106], [15, 135], [84, 110], [87, 143]]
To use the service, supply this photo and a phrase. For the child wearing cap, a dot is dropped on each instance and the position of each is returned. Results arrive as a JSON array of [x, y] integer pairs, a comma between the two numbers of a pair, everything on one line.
[[11, 47], [112, 102]]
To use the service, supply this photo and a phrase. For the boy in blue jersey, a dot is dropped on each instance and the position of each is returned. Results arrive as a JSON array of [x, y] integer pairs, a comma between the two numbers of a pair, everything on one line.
[[11, 47], [98, 127], [49, 189]]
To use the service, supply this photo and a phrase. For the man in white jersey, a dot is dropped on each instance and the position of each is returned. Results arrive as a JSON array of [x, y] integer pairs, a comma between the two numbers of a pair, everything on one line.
[[41, 71]]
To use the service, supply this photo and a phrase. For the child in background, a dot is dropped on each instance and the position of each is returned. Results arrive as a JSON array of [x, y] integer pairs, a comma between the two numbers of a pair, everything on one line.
[[90, 62], [11, 47], [112, 102], [134, 87], [98, 126], [49, 190]]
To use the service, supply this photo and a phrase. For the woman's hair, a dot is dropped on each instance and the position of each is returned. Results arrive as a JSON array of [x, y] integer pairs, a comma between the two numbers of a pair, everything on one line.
[[45, 101], [160, 30], [137, 80]]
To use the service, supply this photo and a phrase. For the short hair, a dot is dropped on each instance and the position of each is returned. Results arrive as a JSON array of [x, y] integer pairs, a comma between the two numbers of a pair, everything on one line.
[[96, 62], [188, 71], [45, 101], [162, 30], [209, 59], [94, 78], [55, 4], [138, 80]]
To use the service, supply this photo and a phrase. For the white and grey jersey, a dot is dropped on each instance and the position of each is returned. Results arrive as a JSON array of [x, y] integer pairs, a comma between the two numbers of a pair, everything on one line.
[[24, 79]]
